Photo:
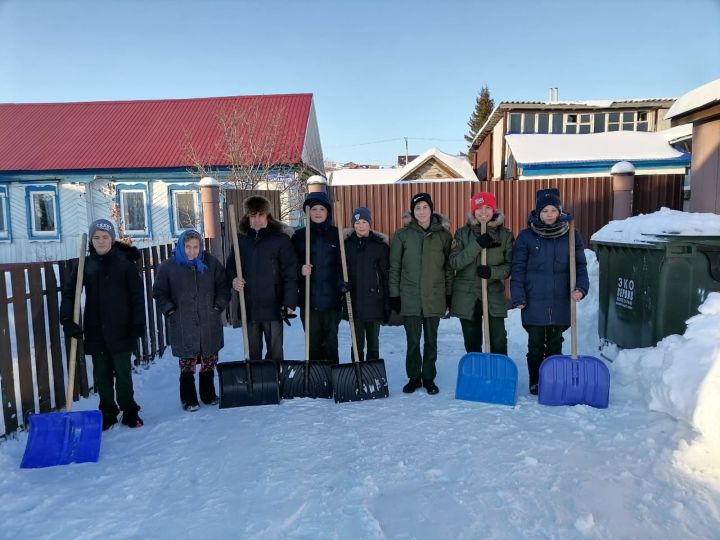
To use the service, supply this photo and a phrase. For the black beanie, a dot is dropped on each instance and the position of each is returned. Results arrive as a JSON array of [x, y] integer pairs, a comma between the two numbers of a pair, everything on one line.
[[545, 197], [420, 197]]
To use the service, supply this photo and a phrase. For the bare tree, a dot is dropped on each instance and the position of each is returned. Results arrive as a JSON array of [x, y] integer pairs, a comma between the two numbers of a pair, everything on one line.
[[254, 145]]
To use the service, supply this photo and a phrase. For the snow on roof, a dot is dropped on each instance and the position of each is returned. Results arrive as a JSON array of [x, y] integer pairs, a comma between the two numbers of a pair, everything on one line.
[[677, 133], [695, 99], [458, 164], [615, 145], [651, 228]]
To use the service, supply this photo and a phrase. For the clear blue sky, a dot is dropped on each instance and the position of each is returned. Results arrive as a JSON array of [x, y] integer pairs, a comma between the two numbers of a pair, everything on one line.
[[378, 69]]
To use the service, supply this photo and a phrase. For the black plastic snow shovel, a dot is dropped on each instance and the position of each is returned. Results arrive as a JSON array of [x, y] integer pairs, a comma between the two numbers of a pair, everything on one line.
[[246, 382], [486, 377], [573, 380], [358, 380], [60, 438], [306, 378]]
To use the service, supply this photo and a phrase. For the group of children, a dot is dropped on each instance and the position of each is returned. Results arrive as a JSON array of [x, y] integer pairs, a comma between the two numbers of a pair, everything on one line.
[[422, 275]]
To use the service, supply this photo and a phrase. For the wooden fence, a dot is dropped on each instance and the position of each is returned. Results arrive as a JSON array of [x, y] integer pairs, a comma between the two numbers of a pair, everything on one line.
[[589, 199], [33, 360]]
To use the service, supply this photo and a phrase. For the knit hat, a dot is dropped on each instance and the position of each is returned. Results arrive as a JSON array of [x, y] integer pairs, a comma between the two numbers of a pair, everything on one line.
[[483, 199], [421, 197], [256, 205], [361, 213], [545, 197], [319, 197], [102, 225]]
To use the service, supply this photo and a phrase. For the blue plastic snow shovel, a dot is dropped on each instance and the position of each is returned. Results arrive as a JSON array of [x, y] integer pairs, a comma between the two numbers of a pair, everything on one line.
[[60, 438], [486, 377], [574, 380]]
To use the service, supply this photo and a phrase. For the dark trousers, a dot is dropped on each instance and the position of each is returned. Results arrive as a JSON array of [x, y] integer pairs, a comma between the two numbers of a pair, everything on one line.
[[543, 341], [271, 332], [367, 332], [113, 376], [323, 334], [417, 366], [472, 332]]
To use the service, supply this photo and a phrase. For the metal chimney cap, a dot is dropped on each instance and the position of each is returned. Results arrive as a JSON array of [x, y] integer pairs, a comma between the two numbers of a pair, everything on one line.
[[208, 181], [623, 167], [316, 179]]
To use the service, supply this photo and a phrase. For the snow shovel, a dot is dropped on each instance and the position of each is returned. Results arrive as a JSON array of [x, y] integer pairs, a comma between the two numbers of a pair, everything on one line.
[[485, 376], [358, 380], [60, 438], [574, 380], [246, 382], [305, 378]]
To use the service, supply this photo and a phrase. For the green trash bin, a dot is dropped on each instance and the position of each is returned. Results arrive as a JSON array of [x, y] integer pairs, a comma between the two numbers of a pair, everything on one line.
[[648, 291]]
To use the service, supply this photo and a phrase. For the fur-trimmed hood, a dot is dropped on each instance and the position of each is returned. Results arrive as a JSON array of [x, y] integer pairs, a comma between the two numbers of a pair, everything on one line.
[[493, 226], [374, 235], [437, 220], [273, 224]]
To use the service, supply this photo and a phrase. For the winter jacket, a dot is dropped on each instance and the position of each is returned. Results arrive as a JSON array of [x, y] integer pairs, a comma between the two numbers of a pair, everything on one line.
[[540, 276], [368, 261], [193, 301], [269, 267], [419, 271], [114, 300], [326, 276], [465, 259]]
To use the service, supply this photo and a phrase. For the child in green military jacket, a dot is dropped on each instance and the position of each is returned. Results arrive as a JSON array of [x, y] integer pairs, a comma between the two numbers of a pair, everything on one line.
[[465, 260]]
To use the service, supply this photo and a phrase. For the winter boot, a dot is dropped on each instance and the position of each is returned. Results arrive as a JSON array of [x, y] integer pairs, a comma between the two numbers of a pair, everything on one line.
[[188, 395], [534, 389], [412, 385], [109, 420], [430, 386], [207, 387], [131, 419]]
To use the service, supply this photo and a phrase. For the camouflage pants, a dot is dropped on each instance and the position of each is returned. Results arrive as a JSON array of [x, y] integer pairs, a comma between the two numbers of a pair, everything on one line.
[[207, 363]]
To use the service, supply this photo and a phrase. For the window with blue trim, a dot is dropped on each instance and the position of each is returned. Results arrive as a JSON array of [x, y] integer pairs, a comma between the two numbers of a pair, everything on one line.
[[184, 208], [42, 205], [4, 214], [134, 209]]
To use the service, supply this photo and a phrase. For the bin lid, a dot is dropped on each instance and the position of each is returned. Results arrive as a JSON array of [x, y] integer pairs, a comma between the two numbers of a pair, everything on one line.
[[660, 241]]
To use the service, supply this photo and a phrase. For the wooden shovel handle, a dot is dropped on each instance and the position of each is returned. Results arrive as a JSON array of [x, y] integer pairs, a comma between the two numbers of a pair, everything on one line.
[[484, 296], [238, 268], [343, 260], [573, 279], [76, 320], [307, 285]]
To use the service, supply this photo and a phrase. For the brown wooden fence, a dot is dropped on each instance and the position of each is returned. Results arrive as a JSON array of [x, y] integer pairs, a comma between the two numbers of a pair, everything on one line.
[[589, 199], [32, 356]]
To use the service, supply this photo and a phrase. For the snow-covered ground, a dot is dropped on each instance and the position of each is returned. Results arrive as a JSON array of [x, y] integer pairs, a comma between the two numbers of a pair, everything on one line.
[[410, 466]]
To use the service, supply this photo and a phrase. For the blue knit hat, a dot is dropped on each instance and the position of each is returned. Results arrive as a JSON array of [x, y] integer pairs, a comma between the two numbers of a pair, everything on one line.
[[547, 197], [361, 213]]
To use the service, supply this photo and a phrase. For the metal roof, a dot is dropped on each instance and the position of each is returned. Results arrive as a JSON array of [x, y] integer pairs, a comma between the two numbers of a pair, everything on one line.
[[152, 133]]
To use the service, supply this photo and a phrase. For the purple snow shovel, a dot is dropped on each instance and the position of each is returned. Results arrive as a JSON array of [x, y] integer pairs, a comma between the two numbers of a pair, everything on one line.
[[574, 380], [60, 438]]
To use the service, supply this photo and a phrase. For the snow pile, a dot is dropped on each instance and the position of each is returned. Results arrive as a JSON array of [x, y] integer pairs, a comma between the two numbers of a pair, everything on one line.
[[650, 228], [681, 377]]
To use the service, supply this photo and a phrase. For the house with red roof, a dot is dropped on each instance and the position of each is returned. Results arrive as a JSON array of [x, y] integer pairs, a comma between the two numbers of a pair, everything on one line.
[[138, 163]]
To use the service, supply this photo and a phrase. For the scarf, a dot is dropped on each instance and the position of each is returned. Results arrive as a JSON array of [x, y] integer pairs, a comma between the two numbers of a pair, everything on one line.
[[182, 259], [556, 230]]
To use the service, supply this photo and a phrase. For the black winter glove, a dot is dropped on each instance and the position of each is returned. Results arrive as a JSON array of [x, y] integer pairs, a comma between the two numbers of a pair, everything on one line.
[[486, 241], [218, 309], [344, 286], [484, 271], [170, 312], [72, 329], [138, 331], [448, 301], [395, 305], [287, 316]]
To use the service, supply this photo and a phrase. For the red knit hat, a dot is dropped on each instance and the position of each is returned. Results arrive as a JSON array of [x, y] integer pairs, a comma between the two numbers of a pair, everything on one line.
[[483, 199]]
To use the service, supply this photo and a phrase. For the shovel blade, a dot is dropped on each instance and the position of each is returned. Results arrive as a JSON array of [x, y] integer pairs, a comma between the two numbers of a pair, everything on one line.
[[248, 383], [488, 378], [360, 381], [306, 379], [568, 381], [63, 437]]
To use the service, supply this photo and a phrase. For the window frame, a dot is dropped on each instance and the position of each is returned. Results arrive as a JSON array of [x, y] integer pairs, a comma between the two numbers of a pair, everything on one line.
[[38, 189], [6, 233], [122, 189], [175, 189]]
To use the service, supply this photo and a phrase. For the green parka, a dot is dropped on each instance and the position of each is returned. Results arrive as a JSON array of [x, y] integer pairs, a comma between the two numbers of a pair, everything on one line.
[[419, 271], [465, 259]]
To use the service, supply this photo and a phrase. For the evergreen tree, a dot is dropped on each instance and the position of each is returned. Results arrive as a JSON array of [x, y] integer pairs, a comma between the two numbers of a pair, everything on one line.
[[483, 107]]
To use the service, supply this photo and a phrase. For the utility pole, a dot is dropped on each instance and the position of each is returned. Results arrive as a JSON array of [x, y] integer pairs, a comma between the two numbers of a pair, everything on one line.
[[406, 150]]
